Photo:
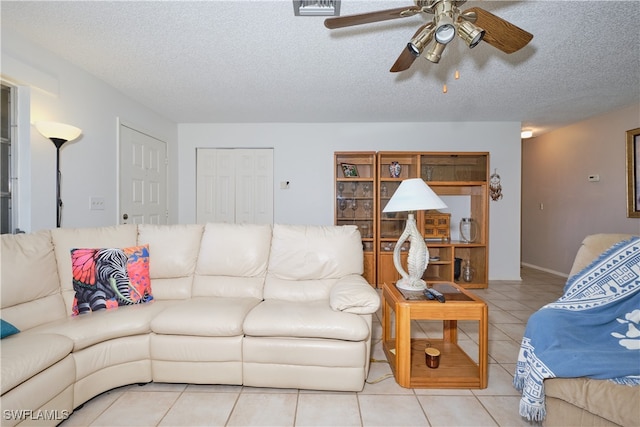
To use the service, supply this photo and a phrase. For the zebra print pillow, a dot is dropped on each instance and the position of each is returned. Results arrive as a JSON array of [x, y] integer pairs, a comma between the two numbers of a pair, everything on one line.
[[110, 277]]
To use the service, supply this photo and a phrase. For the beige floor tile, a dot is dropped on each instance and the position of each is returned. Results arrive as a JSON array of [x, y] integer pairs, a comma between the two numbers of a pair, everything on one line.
[[513, 331], [264, 409], [391, 411], [500, 383], [93, 408], [200, 409], [450, 411], [152, 386], [504, 409], [328, 410], [504, 351], [213, 388], [137, 409], [381, 381]]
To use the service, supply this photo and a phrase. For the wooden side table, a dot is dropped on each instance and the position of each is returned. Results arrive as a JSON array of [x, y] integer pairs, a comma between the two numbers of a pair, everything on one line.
[[406, 355]]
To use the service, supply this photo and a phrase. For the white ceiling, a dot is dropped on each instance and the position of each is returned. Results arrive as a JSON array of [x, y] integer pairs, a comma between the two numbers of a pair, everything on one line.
[[254, 61]]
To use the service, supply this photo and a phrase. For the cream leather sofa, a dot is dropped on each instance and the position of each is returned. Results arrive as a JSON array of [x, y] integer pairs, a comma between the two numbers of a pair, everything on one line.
[[258, 305], [585, 401]]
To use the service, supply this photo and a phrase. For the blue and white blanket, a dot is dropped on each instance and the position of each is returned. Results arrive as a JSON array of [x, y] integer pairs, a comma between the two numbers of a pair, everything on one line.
[[593, 330]]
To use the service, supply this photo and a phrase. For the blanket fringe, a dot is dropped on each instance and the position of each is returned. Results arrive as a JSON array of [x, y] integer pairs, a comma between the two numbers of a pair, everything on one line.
[[518, 382], [532, 413]]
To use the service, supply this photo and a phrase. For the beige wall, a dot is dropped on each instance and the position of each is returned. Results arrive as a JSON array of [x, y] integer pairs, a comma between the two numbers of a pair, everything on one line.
[[555, 167]]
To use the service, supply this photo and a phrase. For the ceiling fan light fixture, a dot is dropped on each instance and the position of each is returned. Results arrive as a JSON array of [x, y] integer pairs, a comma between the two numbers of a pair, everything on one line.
[[421, 40], [446, 31], [435, 52], [470, 33]]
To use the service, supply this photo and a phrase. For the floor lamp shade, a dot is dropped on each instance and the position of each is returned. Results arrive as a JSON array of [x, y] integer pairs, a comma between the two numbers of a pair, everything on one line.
[[412, 195], [58, 133]]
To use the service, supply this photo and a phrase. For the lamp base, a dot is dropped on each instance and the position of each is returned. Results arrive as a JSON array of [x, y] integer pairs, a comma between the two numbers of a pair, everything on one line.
[[409, 284]]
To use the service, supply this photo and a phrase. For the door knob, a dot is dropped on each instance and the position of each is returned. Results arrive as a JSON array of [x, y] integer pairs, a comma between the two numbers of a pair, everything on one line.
[[125, 217]]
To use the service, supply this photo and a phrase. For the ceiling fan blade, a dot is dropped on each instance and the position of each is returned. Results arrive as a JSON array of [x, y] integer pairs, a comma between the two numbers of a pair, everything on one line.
[[499, 33], [406, 58], [404, 61], [367, 18]]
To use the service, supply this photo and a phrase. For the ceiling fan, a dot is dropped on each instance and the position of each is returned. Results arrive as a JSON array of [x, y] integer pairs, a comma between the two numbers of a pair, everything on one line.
[[472, 25]]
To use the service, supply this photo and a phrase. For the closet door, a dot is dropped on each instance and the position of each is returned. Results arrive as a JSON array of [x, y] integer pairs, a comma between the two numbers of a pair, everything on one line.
[[234, 185]]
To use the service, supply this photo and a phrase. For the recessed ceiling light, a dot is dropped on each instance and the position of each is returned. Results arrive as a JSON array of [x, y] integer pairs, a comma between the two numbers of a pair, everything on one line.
[[526, 134]]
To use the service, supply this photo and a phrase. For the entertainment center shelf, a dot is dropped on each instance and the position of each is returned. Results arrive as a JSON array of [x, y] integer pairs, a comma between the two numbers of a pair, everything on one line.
[[364, 183]]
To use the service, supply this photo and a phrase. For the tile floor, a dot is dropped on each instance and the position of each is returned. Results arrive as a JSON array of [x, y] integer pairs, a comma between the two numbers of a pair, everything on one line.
[[381, 403]]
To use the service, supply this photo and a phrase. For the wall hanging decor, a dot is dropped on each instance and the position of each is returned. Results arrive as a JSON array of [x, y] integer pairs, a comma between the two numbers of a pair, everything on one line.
[[495, 188]]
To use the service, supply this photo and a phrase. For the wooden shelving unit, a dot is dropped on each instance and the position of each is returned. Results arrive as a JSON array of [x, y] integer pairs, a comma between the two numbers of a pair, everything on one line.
[[458, 175]]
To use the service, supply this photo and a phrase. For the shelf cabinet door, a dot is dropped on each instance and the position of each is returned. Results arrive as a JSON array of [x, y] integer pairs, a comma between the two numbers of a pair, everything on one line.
[[355, 201]]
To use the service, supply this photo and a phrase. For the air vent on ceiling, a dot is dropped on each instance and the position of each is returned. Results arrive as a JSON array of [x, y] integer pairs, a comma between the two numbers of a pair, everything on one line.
[[316, 7]]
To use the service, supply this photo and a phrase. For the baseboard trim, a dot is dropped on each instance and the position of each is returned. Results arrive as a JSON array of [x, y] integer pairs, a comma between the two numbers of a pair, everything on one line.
[[547, 270]]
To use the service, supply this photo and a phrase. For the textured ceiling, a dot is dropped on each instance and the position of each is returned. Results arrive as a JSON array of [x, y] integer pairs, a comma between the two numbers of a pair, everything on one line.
[[254, 61]]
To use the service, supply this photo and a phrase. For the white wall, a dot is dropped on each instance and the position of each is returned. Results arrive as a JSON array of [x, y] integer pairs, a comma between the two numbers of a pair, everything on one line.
[[303, 155], [555, 170], [61, 92]]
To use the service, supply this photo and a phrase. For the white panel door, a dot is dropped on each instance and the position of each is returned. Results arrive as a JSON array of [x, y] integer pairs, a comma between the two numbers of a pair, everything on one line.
[[234, 185], [143, 178]]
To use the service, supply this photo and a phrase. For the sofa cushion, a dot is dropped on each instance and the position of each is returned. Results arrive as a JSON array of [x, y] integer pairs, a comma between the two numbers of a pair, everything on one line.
[[592, 247], [65, 239], [7, 329], [353, 294], [606, 399], [175, 252], [300, 252], [109, 277], [104, 325], [306, 261], [25, 355], [221, 272], [205, 316], [30, 287], [313, 319]]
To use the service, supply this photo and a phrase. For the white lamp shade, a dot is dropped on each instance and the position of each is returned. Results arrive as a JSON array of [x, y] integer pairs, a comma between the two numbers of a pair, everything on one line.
[[58, 130], [414, 195]]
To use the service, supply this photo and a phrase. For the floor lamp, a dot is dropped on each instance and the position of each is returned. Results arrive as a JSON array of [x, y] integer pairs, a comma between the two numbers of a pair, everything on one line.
[[412, 195], [58, 133]]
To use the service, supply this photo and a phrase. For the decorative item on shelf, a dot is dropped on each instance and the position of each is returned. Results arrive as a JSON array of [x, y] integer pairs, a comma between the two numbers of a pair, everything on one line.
[[58, 133], [468, 230], [354, 207], [340, 188], [395, 169], [412, 195], [349, 170], [495, 188], [368, 207], [457, 268], [437, 225], [342, 205], [429, 173], [366, 189], [467, 271], [383, 191], [354, 188]]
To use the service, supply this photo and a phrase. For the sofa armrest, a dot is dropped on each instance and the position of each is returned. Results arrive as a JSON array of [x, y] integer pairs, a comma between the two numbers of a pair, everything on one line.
[[352, 294]]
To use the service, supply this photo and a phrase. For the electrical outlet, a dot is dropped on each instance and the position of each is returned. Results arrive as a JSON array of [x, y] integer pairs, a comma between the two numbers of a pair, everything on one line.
[[97, 203], [593, 178]]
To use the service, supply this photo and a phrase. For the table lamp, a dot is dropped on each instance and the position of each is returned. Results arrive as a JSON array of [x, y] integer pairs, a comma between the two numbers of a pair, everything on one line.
[[412, 195]]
